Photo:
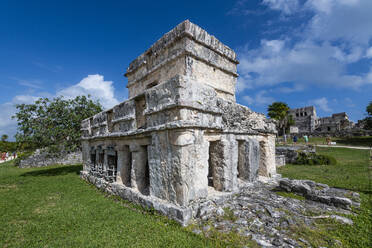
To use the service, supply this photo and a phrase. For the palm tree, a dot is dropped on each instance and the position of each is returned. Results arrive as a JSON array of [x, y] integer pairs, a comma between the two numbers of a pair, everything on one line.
[[280, 112]]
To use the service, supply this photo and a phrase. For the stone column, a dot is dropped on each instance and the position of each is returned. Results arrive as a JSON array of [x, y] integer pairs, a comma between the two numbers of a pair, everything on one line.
[[224, 160], [85, 150], [124, 164], [105, 163], [267, 162], [139, 172], [249, 159], [97, 161]]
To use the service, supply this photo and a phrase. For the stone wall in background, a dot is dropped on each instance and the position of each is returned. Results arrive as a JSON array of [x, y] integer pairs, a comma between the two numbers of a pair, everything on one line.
[[279, 160], [42, 158], [291, 153]]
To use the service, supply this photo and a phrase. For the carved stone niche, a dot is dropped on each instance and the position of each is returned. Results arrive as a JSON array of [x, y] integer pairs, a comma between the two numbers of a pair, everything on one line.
[[93, 159], [112, 163], [140, 105], [100, 161]]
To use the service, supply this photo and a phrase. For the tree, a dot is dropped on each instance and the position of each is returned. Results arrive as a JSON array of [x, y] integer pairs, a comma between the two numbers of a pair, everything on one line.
[[369, 109], [368, 119], [280, 111], [4, 137], [54, 123]]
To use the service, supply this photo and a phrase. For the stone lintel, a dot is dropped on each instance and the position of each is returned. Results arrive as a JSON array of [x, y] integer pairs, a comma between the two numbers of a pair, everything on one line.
[[167, 126]]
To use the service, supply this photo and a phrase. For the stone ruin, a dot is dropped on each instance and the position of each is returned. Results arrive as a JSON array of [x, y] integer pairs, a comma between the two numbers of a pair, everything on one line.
[[181, 136], [307, 122], [305, 119]]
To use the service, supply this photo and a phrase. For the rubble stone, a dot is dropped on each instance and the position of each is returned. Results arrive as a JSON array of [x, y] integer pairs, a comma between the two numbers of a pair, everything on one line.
[[268, 217], [317, 192], [41, 158]]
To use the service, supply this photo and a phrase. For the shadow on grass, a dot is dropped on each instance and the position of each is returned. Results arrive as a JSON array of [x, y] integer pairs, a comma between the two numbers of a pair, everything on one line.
[[63, 170]]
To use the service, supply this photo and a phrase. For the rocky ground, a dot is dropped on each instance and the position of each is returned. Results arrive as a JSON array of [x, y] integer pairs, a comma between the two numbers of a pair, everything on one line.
[[269, 213]]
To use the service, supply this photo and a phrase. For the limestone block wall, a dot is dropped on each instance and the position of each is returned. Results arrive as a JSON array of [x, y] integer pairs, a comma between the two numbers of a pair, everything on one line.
[[249, 159], [220, 80], [177, 166], [242, 144], [124, 116], [267, 166], [158, 76], [180, 136], [41, 158], [186, 50]]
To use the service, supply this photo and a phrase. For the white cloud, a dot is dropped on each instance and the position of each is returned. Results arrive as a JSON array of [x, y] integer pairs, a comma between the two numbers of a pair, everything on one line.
[[7, 110], [348, 20], [93, 85], [26, 99], [306, 63], [321, 103], [369, 53], [7, 125], [295, 88], [272, 46], [322, 6], [243, 83], [319, 54], [286, 6], [260, 99], [33, 83]]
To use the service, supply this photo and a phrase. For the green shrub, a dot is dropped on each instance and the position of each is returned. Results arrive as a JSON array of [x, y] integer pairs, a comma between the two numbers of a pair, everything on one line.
[[315, 159], [21, 156]]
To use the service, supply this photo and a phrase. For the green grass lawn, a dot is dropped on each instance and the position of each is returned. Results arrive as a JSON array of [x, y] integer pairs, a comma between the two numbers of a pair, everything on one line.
[[354, 172], [53, 207], [351, 141]]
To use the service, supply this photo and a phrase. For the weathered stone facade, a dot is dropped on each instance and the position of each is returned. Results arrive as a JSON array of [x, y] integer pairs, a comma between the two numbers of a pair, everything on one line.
[[180, 136], [308, 123], [41, 158], [335, 123], [305, 119]]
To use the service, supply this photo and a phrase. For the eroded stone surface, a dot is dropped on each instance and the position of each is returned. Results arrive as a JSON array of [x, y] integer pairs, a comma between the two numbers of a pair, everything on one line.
[[260, 213], [181, 136], [318, 192], [42, 158]]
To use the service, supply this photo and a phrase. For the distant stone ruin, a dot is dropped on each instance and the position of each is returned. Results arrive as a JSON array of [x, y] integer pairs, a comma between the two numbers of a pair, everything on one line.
[[41, 158], [308, 123], [181, 136]]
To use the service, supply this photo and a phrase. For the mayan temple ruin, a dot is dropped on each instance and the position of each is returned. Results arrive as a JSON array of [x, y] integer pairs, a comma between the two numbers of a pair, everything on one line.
[[308, 122], [181, 136]]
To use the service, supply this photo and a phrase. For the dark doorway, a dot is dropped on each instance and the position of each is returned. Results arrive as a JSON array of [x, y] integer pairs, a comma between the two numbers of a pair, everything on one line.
[[144, 181], [214, 164], [112, 164]]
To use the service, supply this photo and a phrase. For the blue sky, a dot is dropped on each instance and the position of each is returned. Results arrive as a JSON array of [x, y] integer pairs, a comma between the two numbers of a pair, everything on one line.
[[303, 52]]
